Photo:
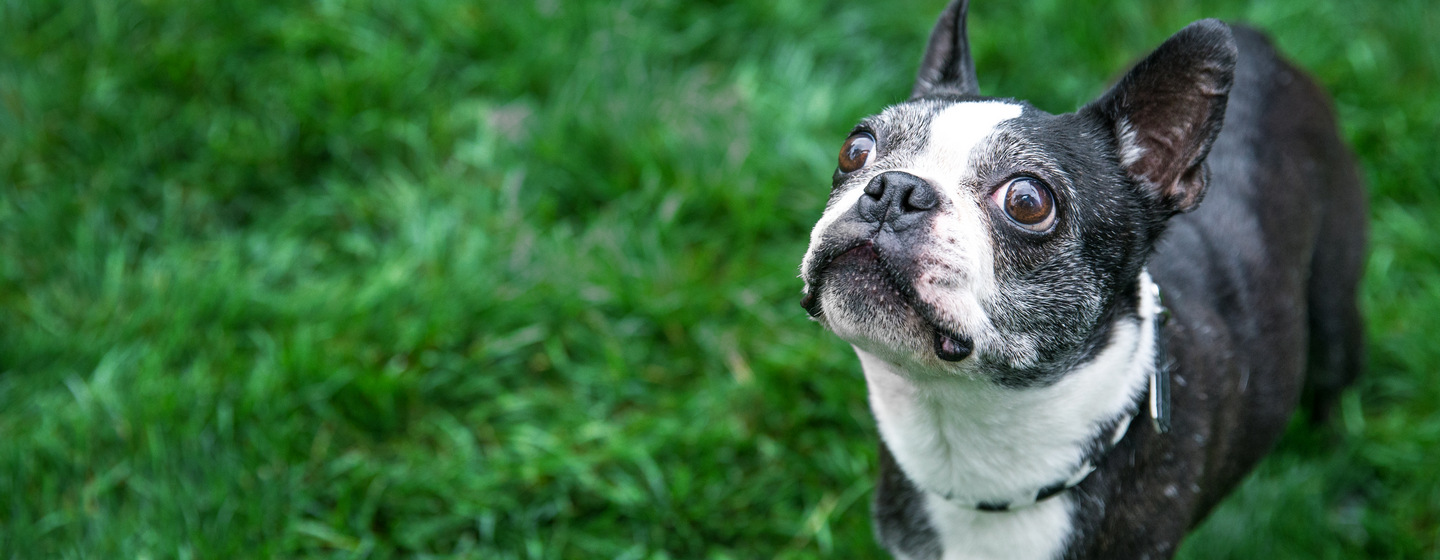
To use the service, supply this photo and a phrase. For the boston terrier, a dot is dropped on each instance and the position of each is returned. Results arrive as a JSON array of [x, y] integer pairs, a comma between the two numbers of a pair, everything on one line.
[[1080, 331]]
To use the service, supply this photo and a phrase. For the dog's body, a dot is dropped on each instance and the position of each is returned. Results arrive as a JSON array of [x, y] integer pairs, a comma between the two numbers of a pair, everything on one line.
[[999, 271]]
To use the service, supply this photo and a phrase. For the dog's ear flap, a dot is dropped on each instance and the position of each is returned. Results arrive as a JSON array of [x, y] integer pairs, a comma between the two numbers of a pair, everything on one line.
[[1168, 110], [947, 67]]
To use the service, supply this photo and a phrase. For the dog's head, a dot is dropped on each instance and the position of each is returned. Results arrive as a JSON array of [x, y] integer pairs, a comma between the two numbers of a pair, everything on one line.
[[984, 237]]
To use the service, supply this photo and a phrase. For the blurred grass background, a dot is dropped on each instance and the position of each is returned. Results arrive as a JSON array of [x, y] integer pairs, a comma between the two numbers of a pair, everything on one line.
[[517, 279]]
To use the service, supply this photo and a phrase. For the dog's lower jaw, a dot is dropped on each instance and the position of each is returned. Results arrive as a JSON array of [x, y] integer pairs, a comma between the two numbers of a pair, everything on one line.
[[965, 440], [896, 330]]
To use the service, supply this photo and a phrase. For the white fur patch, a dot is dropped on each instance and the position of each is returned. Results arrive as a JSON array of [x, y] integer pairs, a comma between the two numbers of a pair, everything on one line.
[[954, 134], [962, 240], [1130, 149], [974, 441], [1038, 531]]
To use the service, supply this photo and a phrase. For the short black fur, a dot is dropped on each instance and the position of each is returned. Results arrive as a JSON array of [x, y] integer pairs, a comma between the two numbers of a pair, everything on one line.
[[1261, 277]]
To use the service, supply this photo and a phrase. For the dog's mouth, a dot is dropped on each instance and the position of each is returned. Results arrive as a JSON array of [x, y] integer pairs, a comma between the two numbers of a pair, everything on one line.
[[869, 277]]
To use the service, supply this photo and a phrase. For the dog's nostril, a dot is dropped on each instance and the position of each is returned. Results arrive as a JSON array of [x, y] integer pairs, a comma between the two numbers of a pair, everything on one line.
[[876, 188], [922, 197]]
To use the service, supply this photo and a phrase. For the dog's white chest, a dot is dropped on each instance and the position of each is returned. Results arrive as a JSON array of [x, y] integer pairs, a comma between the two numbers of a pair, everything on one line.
[[966, 441], [1036, 532]]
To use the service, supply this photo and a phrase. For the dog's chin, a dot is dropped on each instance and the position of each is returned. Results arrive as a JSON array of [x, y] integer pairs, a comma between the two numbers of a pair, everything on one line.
[[860, 302]]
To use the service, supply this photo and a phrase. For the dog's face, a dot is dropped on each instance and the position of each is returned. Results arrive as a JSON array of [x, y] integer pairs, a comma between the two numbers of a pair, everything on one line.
[[984, 237], [976, 236]]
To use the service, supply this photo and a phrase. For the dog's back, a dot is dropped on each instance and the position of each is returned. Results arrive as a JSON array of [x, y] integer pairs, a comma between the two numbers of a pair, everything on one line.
[[1286, 158], [1265, 269]]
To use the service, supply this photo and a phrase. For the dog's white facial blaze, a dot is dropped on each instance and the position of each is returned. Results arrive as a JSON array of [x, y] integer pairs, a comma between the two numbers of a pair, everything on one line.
[[954, 134], [956, 270]]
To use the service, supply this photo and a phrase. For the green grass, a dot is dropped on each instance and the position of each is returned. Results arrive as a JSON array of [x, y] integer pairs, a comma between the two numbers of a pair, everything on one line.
[[517, 280]]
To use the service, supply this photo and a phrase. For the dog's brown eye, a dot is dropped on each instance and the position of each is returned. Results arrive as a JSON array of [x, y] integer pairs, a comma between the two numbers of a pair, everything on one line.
[[1027, 202], [856, 151]]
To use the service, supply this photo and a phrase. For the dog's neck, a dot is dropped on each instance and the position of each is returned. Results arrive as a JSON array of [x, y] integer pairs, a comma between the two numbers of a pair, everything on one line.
[[974, 442]]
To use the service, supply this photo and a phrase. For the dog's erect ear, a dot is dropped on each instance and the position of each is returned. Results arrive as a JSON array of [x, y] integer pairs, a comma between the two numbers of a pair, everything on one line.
[[947, 67], [1168, 110]]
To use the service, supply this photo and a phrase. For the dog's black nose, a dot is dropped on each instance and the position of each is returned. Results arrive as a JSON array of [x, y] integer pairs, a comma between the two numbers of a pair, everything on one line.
[[897, 198]]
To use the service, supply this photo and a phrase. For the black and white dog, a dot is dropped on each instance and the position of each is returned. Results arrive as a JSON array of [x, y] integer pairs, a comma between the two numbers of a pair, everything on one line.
[[999, 272]]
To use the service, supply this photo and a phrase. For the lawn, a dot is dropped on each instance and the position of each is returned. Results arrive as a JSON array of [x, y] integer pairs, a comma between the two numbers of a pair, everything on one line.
[[518, 279]]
